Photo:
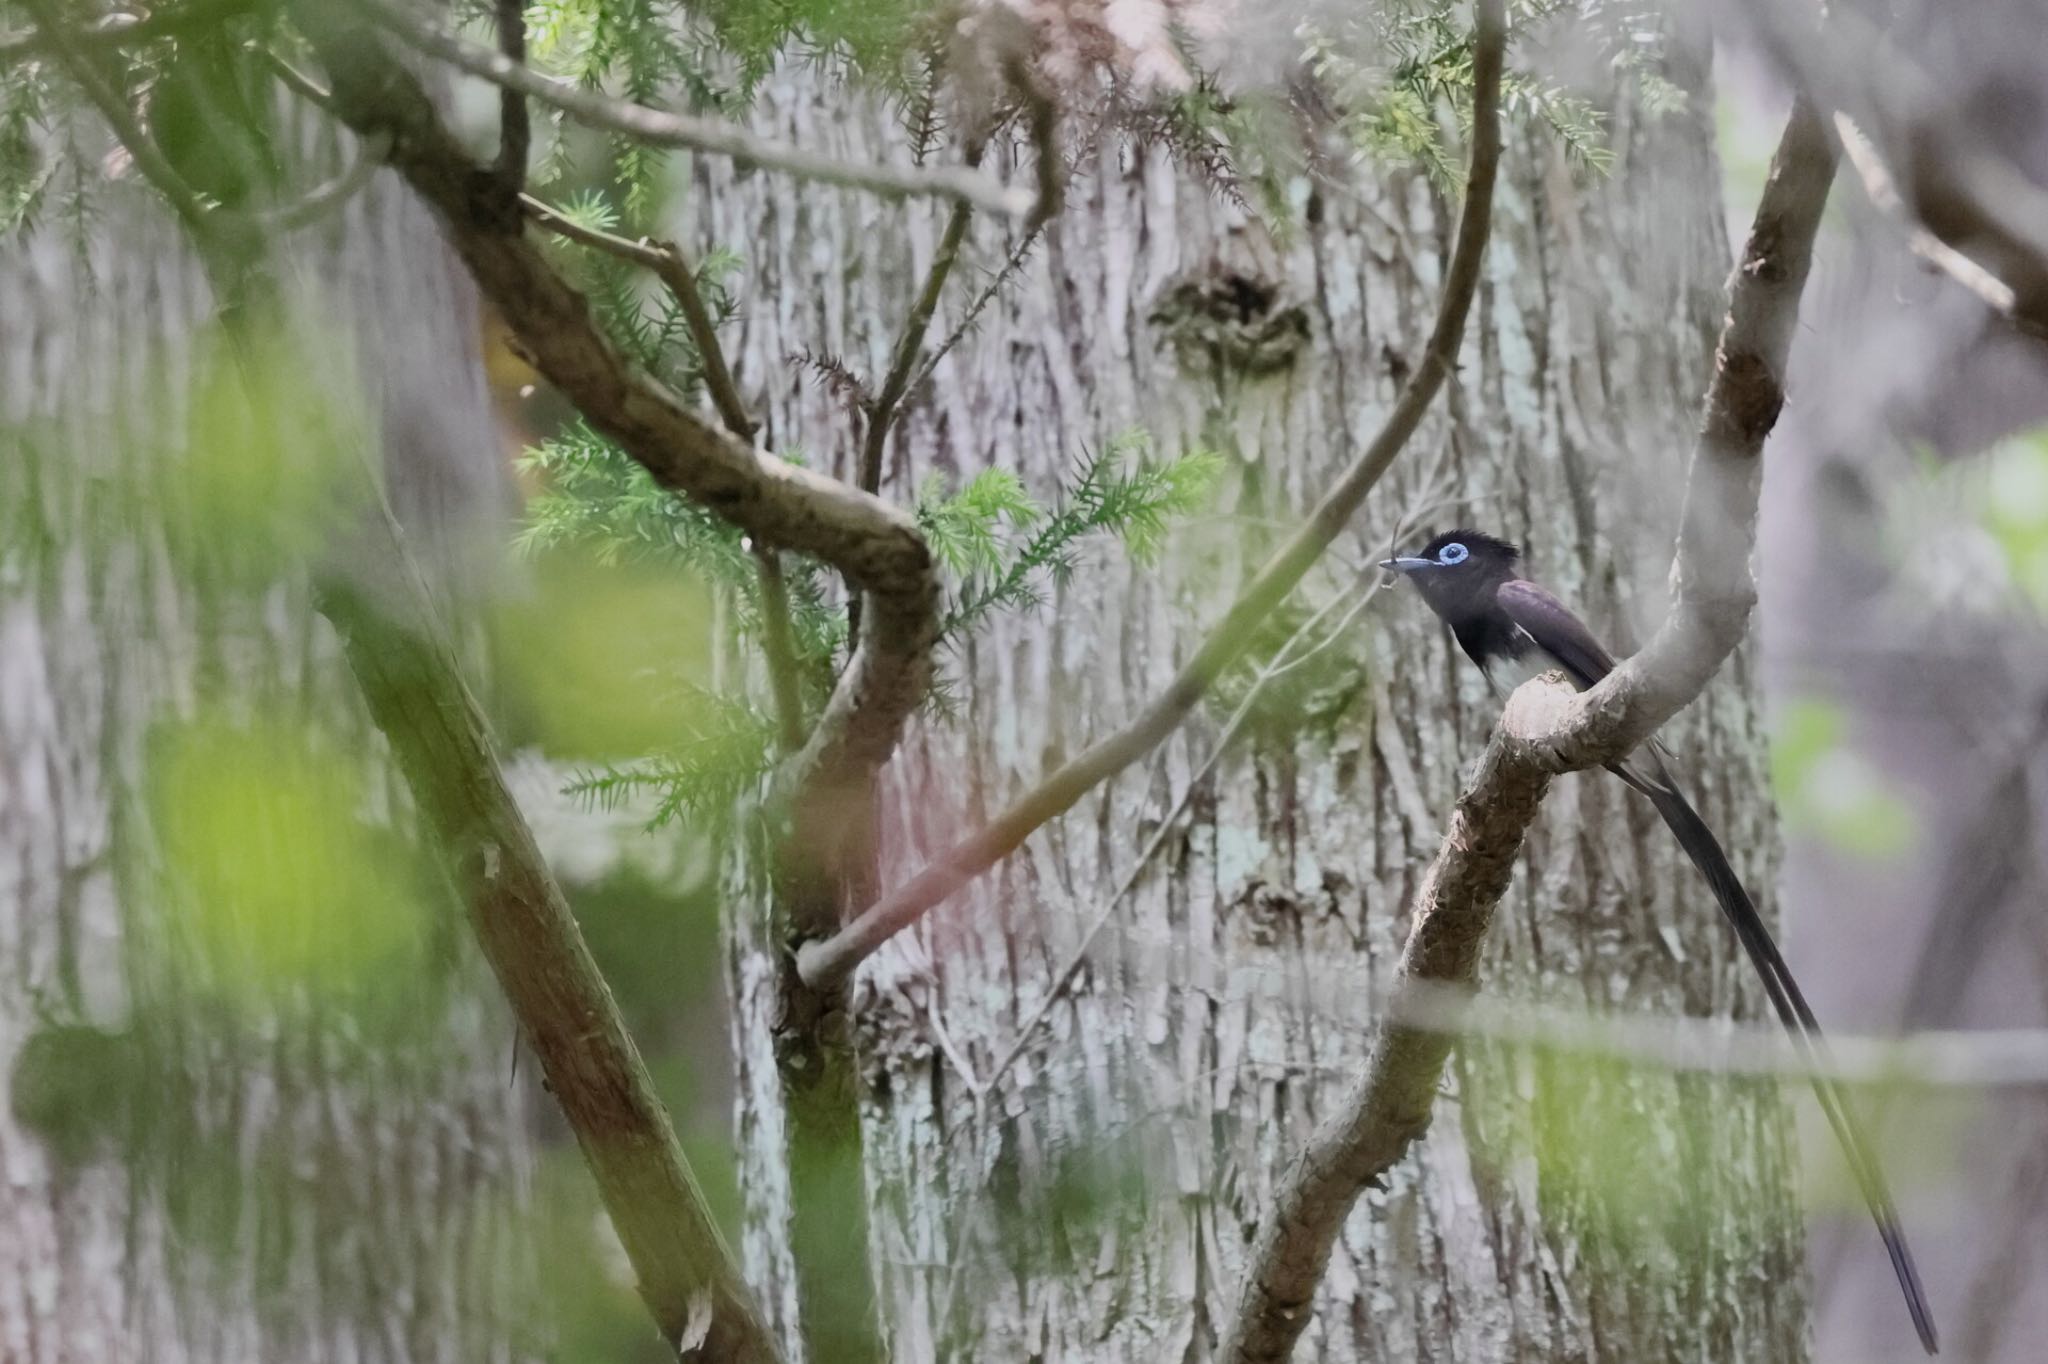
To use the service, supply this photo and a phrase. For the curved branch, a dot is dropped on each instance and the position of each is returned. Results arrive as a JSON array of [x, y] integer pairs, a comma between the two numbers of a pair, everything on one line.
[[323, 199], [662, 129], [825, 963], [877, 546], [1547, 729]]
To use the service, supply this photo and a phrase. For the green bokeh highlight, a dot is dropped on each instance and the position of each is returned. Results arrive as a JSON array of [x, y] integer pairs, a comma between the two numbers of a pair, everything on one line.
[[279, 884]]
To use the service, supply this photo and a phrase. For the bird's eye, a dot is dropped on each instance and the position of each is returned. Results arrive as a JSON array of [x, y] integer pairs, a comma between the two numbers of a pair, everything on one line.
[[1452, 554]]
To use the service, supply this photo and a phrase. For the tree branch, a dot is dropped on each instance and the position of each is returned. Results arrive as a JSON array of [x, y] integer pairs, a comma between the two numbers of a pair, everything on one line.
[[83, 67], [1546, 729], [684, 1271], [515, 127], [659, 128], [881, 414], [667, 260], [875, 545], [1883, 192], [823, 963], [1978, 217]]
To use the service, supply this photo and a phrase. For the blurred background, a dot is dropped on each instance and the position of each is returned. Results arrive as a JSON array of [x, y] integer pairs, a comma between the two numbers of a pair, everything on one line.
[[266, 1102]]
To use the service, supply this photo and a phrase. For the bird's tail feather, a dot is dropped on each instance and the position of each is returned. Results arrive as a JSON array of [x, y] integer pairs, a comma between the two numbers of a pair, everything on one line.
[[1705, 850]]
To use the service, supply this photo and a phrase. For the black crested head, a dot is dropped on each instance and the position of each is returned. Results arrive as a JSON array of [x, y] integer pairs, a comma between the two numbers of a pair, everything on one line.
[[1457, 571], [1482, 548]]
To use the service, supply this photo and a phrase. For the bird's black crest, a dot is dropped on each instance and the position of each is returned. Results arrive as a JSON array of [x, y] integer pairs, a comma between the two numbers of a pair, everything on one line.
[[1478, 541]]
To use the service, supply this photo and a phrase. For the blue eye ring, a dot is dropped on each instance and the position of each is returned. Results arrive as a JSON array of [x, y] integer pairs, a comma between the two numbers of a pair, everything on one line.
[[1453, 554]]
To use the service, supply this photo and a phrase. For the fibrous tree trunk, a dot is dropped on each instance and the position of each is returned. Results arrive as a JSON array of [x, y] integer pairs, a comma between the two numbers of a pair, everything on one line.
[[1094, 1200], [231, 1139]]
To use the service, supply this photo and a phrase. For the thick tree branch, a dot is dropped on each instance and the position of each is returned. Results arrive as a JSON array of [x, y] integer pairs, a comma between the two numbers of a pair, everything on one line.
[[874, 544], [684, 1271], [660, 128], [1546, 729], [823, 963]]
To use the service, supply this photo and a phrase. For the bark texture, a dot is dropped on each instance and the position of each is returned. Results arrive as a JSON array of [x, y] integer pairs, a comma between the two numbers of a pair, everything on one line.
[[1094, 1200], [181, 1180]]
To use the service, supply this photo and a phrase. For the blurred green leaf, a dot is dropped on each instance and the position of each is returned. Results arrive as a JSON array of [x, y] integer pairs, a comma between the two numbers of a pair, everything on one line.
[[2016, 510], [269, 468], [1827, 788], [281, 886], [606, 658]]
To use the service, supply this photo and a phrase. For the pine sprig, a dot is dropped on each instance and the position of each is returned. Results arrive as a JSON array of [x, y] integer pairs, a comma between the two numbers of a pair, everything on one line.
[[1008, 549], [703, 779]]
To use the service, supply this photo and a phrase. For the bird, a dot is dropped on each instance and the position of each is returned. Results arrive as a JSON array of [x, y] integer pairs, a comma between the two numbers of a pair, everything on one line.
[[1515, 630]]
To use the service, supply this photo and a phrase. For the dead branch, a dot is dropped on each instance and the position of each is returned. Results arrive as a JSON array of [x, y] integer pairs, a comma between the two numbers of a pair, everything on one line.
[[660, 128], [1547, 729], [823, 963]]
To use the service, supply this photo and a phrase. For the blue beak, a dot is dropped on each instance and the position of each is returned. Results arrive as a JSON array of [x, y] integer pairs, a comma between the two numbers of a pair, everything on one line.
[[1408, 565]]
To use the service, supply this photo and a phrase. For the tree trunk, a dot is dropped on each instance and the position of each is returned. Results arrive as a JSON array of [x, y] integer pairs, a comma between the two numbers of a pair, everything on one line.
[[1095, 1199], [284, 1140]]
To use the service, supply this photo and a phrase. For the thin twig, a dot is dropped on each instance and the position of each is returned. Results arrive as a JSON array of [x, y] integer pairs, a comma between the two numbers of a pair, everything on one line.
[[1986, 1060], [997, 282], [666, 259], [1283, 661], [84, 68], [881, 413], [121, 30], [322, 200], [835, 959], [658, 127], [1883, 192]]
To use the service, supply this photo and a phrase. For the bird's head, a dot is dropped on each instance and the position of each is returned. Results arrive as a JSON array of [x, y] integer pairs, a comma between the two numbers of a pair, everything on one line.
[[1456, 564]]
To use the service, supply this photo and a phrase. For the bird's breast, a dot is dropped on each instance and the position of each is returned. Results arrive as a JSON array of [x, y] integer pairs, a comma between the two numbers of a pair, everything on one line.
[[1516, 661]]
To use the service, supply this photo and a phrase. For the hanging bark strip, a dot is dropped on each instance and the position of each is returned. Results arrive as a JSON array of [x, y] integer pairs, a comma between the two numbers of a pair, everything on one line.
[[1547, 730]]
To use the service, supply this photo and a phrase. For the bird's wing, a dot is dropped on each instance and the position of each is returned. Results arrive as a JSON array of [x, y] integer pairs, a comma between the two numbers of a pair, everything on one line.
[[1556, 630]]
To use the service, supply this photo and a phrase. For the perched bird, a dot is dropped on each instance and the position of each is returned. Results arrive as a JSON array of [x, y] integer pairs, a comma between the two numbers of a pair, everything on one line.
[[1514, 630]]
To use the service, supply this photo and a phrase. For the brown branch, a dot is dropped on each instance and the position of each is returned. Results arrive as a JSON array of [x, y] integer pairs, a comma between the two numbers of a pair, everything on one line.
[[414, 688], [876, 545], [881, 413], [660, 128], [823, 963], [666, 259], [1547, 729], [515, 126]]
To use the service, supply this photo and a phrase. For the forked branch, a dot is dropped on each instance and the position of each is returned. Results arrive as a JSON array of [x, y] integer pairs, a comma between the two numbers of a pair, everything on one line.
[[824, 963], [1546, 729]]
